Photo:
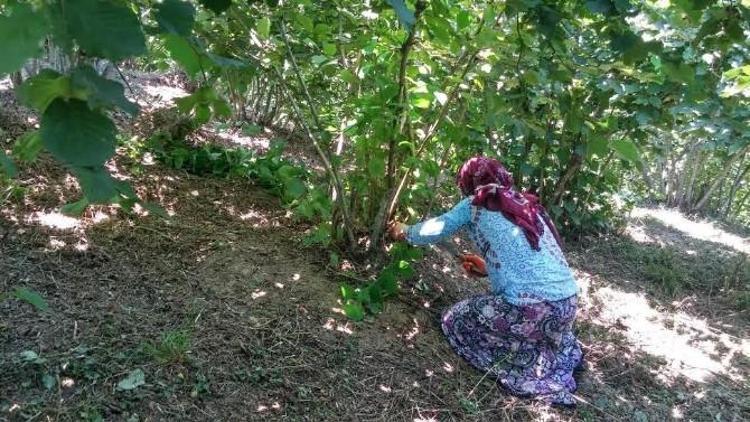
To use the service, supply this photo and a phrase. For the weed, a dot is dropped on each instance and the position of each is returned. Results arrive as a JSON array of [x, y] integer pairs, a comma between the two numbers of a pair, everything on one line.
[[201, 386], [743, 300], [90, 413], [664, 276], [173, 347], [370, 297], [469, 406]]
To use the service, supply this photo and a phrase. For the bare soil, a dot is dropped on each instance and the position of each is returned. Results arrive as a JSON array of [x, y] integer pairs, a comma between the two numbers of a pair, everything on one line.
[[230, 318]]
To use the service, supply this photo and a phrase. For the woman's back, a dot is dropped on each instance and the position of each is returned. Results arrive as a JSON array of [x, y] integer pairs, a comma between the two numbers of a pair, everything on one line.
[[517, 271]]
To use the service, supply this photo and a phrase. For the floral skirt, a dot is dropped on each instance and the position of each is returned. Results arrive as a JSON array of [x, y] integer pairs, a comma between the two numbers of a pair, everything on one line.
[[530, 349]]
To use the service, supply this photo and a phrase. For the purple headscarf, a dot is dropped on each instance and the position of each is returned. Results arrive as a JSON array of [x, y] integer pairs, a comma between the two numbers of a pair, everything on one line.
[[493, 189]]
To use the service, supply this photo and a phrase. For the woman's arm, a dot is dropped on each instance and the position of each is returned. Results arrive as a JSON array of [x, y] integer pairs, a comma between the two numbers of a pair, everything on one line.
[[438, 228]]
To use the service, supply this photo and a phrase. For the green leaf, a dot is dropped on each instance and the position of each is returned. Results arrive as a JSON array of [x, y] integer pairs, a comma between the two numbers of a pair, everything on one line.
[[604, 7], [28, 146], [354, 310], [32, 298], [347, 292], [286, 172], [104, 28], [329, 49], [376, 167], [216, 6], [30, 356], [294, 188], [226, 62], [175, 16], [626, 150], [101, 92], [75, 209], [7, 165], [97, 184], [681, 72], [388, 283], [463, 20], [155, 209], [20, 36], [421, 102], [264, 28], [405, 15], [181, 51], [599, 146], [40, 90], [135, 379], [48, 381], [76, 135]]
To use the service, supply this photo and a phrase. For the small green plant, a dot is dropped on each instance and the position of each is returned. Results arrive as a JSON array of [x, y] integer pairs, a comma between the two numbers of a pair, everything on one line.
[[370, 298], [10, 190], [173, 347], [283, 178], [201, 386], [470, 406]]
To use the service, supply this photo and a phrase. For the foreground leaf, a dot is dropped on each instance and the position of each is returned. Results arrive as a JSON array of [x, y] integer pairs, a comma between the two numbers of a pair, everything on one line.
[[175, 16], [216, 6], [97, 184], [100, 91], [76, 135], [20, 36], [40, 90], [7, 166], [181, 51], [75, 209], [104, 28]]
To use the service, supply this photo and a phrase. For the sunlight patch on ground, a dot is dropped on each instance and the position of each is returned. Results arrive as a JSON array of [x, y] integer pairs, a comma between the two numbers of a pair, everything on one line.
[[236, 137], [333, 325], [638, 234], [688, 344], [701, 230], [162, 96], [54, 220]]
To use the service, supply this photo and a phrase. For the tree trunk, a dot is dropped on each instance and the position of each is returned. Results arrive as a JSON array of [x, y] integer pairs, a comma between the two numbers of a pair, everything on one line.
[[741, 202], [688, 201], [735, 186], [719, 178], [684, 176], [573, 166]]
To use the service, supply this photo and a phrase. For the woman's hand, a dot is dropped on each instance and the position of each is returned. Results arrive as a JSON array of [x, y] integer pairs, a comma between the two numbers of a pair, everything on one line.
[[397, 231], [474, 265]]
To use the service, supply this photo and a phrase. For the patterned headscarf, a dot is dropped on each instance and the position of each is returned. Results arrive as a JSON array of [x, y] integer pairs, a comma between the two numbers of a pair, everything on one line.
[[493, 189]]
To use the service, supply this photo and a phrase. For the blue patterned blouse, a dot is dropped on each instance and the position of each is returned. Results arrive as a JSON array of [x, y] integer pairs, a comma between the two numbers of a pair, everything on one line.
[[516, 271]]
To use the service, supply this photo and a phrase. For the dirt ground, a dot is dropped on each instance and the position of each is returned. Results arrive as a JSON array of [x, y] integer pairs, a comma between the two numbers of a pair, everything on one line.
[[229, 317]]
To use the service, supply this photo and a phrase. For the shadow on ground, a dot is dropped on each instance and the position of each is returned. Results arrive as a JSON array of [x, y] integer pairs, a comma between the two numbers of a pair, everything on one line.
[[228, 317]]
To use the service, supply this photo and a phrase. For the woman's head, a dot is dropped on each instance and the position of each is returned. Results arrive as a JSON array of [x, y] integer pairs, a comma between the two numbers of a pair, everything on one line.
[[492, 187], [482, 171]]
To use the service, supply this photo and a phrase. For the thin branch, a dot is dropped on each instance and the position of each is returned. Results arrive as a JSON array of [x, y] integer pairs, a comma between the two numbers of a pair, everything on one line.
[[298, 74], [348, 226], [127, 84], [431, 132]]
